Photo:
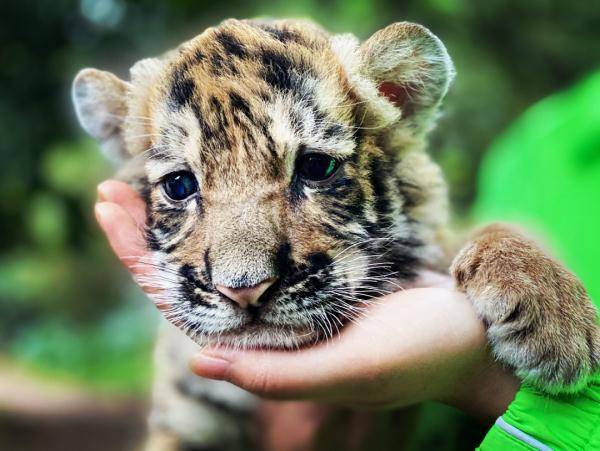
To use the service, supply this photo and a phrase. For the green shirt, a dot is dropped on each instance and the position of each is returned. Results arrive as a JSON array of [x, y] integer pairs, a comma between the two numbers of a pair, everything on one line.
[[535, 421]]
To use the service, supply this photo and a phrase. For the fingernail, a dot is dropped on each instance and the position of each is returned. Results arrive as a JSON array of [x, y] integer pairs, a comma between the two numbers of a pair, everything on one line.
[[99, 210], [101, 190], [210, 366]]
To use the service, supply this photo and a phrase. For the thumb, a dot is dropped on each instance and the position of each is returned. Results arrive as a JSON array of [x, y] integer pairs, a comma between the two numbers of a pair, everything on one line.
[[125, 235], [308, 373]]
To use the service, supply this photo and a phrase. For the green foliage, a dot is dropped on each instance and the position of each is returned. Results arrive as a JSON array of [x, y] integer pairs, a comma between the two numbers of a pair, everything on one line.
[[47, 221], [72, 168], [112, 354]]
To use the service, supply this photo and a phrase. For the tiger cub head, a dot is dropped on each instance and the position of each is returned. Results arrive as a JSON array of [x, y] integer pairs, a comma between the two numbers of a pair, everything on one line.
[[283, 169]]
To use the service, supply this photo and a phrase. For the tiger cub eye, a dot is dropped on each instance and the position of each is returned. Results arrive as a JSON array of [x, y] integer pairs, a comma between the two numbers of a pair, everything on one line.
[[316, 167], [180, 185]]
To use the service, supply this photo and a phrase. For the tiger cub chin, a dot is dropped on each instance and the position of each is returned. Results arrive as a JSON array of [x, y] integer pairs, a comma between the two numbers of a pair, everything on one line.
[[287, 183]]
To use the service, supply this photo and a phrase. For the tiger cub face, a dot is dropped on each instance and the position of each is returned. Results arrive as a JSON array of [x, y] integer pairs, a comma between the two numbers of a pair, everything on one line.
[[283, 170]]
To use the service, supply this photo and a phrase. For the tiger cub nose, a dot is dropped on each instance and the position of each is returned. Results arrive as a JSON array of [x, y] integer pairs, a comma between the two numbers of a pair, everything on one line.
[[245, 296]]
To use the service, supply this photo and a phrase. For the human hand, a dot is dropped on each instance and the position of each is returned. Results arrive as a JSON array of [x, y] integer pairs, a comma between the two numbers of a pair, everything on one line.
[[415, 345]]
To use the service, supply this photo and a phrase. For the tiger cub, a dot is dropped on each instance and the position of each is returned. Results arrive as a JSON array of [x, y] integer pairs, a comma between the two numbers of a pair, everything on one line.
[[286, 182]]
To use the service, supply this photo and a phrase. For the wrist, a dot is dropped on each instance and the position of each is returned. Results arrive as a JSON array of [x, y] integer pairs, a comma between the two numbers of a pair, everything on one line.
[[485, 390]]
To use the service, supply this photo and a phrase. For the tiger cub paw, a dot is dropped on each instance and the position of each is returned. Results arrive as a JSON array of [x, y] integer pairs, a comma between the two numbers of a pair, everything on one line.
[[539, 319]]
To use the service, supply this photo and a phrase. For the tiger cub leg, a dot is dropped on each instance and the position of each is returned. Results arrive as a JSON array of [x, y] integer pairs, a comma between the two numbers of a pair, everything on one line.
[[540, 321], [189, 413]]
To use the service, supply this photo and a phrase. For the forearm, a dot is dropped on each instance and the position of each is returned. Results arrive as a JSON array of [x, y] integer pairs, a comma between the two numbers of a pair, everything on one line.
[[481, 388]]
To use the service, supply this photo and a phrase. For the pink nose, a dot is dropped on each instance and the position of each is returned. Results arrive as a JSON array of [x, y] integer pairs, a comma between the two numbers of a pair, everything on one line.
[[246, 296]]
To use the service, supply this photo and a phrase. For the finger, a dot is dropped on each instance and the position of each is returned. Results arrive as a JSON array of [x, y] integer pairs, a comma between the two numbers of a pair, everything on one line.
[[416, 337], [310, 373], [122, 194], [126, 240], [123, 233]]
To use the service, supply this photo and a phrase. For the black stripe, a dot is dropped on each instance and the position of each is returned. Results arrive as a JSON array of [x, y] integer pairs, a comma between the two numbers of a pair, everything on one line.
[[207, 265], [152, 241], [296, 190], [335, 130], [199, 56], [182, 90], [231, 44], [239, 103], [521, 333], [189, 284], [340, 188], [410, 192], [335, 232], [318, 261], [378, 176], [283, 258], [282, 35], [216, 63], [277, 70], [515, 314], [340, 214], [207, 132], [173, 246], [182, 131]]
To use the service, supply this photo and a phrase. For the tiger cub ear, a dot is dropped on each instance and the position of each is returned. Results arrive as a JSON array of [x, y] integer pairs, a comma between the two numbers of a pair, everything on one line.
[[100, 103], [411, 69]]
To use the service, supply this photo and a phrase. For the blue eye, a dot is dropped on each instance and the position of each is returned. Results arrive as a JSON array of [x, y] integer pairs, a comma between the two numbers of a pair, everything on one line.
[[180, 185]]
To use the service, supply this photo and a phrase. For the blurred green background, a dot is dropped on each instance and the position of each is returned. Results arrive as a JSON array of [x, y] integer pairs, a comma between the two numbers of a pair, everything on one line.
[[69, 312]]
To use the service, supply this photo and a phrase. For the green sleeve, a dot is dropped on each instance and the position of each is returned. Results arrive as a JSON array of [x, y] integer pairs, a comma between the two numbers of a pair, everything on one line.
[[535, 421]]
